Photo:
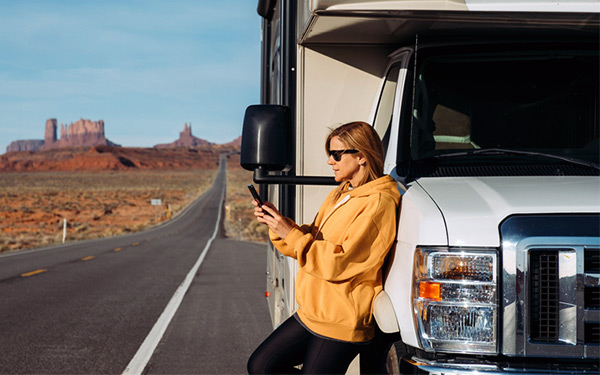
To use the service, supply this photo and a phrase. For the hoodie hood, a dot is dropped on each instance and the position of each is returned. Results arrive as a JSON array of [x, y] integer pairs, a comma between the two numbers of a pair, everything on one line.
[[385, 185]]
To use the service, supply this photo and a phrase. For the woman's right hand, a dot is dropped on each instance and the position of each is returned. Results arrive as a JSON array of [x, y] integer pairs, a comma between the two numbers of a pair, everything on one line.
[[268, 214], [259, 212]]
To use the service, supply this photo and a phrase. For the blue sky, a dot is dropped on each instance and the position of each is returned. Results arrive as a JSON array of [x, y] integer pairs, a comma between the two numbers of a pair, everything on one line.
[[144, 67]]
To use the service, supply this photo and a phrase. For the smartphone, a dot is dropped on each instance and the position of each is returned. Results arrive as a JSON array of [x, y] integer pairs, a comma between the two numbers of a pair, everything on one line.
[[255, 194], [256, 197]]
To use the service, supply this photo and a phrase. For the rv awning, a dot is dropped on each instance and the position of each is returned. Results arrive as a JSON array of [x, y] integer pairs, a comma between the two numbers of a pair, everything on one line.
[[394, 21]]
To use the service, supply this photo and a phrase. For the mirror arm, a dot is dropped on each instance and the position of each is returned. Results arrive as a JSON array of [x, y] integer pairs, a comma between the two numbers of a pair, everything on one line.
[[261, 176]]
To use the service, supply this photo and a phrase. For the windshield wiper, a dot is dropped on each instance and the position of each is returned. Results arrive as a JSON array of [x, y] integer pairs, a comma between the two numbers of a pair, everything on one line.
[[505, 151]]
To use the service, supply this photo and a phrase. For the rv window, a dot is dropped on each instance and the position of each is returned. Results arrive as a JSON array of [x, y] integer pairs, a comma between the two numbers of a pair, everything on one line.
[[275, 68], [544, 101], [385, 107]]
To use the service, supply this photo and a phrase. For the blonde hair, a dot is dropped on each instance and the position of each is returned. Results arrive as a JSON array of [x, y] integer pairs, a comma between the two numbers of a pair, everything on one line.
[[361, 136]]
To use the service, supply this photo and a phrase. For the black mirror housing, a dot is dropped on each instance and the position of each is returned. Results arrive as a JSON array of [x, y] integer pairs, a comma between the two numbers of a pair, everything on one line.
[[267, 138]]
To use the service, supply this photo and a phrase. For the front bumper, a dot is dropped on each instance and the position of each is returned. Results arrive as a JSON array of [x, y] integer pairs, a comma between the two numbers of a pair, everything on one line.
[[413, 365]]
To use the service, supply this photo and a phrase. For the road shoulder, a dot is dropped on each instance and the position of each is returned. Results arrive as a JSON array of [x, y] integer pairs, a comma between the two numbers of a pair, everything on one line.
[[223, 317]]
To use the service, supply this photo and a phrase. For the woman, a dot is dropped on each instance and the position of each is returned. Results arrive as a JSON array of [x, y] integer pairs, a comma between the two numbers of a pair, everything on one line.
[[339, 255]]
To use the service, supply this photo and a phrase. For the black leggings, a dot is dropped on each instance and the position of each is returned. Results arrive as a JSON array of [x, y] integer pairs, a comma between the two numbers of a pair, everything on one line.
[[291, 344]]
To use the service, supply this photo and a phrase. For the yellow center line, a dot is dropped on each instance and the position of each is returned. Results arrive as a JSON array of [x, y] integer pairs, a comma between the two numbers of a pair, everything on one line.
[[27, 274], [88, 258], [135, 244], [117, 249]]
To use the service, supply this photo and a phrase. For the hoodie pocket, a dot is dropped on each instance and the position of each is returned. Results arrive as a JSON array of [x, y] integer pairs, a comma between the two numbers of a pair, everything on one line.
[[328, 303]]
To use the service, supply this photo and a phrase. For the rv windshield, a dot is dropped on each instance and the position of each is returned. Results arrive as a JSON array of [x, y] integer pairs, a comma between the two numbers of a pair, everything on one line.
[[534, 100]]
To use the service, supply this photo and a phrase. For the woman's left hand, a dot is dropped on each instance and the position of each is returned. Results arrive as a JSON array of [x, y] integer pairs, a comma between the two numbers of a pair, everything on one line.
[[278, 224]]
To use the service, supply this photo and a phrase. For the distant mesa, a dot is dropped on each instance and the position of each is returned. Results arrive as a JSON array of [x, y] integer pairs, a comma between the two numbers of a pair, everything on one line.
[[25, 145], [87, 133], [186, 139], [80, 133], [99, 154]]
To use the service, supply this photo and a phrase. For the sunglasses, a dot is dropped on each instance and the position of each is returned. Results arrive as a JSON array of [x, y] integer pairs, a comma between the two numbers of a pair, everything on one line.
[[337, 154]]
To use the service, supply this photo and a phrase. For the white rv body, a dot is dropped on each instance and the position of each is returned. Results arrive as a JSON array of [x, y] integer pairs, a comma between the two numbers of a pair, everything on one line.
[[335, 61]]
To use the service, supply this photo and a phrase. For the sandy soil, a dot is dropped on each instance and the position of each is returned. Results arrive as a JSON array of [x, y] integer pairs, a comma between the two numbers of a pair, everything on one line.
[[96, 202]]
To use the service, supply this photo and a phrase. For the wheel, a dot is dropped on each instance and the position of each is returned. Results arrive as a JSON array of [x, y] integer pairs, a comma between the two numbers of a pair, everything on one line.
[[392, 362], [395, 354]]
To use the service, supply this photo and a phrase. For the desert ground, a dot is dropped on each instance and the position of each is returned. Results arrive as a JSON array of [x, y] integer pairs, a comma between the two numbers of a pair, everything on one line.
[[100, 200]]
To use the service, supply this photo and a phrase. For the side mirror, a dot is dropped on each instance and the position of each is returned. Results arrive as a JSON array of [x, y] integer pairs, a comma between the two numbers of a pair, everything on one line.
[[267, 138]]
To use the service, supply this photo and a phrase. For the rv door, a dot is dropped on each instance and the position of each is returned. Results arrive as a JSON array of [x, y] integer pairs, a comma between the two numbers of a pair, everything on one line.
[[392, 110]]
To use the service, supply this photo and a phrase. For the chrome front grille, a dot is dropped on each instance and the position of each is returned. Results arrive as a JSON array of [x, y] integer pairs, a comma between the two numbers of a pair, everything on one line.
[[551, 286], [592, 297], [592, 333], [591, 293], [543, 296], [592, 261]]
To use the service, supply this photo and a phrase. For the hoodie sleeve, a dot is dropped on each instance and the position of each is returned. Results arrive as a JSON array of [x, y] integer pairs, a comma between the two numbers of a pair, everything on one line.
[[287, 247], [364, 243], [282, 245]]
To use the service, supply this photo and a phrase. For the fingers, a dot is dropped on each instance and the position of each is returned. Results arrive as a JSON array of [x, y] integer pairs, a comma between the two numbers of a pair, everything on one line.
[[269, 215], [271, 206], [268, 208], [260, 213]]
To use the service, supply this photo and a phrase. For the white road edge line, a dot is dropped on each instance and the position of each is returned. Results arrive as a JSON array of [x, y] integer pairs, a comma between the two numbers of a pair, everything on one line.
[[138, 363]]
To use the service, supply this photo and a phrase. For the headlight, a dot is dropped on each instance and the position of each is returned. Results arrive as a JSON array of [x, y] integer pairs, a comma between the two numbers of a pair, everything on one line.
[[455, 299]]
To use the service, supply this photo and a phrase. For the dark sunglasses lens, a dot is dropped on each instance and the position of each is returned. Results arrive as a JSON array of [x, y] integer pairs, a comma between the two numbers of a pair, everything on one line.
[[337, 155]]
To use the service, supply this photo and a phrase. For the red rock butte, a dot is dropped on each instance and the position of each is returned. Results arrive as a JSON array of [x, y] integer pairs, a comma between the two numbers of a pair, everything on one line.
[[80, 133], [186, 139]]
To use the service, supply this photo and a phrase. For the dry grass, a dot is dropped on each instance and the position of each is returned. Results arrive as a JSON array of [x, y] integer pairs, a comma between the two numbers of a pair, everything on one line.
[[33, 205], [240, 222], [98, 204]]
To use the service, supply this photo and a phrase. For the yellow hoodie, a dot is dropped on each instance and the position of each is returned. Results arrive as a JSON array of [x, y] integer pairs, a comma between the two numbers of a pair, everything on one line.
[[340, 256]]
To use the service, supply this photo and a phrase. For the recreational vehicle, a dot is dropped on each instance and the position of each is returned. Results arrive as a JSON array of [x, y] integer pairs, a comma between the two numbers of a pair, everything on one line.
[[489, 112]]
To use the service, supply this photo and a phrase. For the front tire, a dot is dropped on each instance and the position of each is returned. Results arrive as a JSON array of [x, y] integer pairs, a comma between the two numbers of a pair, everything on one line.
[[395, 354]]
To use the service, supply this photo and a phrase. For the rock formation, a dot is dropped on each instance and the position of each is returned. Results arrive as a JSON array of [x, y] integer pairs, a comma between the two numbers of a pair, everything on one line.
[[186, 139], [25, 145], [106, 158], [80, 133], [50, 134]]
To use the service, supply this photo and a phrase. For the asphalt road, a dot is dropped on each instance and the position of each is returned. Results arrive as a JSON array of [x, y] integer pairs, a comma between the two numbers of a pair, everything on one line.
[[87, 307]]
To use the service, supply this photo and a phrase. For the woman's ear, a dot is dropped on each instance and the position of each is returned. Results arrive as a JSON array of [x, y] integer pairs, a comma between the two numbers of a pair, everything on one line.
[[362, 161]]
